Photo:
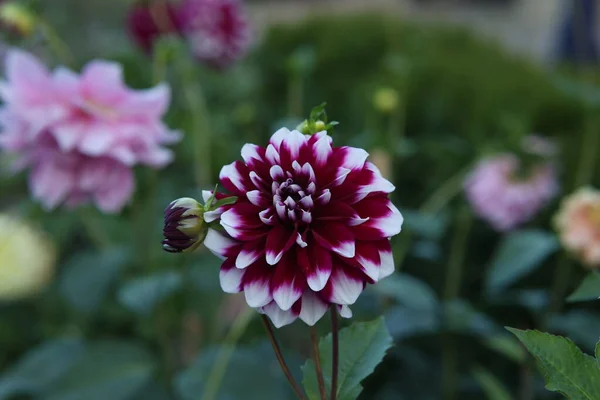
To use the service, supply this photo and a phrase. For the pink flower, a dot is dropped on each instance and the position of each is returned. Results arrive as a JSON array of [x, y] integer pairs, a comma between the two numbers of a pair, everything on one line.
[[502, 198], [578, 225], [310, 228], [217, 31], [146, 23], [81, 134]]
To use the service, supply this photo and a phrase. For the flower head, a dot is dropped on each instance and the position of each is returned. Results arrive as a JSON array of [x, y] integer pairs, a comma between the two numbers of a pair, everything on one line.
[[26, 259], [310, 228], [217, 31], [81, 134], [148, 22], [578, 225], [503, 198]]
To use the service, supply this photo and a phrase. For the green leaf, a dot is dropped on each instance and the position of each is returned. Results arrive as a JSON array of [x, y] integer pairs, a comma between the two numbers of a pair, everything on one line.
[[243, 378], [40, 367], [566, 369], [141, 295], [408, 291], [589, 289], [107, 370], [508, 346], [224, 202], [362, 346], [88, 276], [492, 386], [518, 254]]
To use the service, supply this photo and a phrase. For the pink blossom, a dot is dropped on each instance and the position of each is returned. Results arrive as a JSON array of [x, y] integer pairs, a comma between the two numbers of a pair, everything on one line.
[[505, 200], [80, 134], [217, 31], [310, 227], [578, 225]]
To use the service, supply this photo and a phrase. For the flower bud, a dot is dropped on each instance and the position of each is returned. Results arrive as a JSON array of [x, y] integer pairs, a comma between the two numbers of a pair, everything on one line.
[[184, 227], [15, 17], [385, 100], [311, 127]]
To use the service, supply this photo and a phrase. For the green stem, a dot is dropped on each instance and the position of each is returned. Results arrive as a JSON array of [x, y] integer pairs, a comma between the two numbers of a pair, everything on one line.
[[201, 132], [58, 46], [451, 292], [317, 358], [445, 193], [94, 232], [215, 378], [281, 359], [457, 254], [295, 96]]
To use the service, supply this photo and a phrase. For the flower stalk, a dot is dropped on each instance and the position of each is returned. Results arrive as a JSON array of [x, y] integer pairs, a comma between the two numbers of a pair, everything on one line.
[[334, 352], [281, 359], [317, 357]]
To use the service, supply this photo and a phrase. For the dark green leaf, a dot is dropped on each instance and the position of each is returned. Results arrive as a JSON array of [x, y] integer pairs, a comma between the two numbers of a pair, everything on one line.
[[492, 386], [107, 370], [508, 346], [40, 367], [589, 289], [252, 374], [224, 202], [567, 370], [519, 254], [88, 276], [362, 346], [141, 295], [408, 291]]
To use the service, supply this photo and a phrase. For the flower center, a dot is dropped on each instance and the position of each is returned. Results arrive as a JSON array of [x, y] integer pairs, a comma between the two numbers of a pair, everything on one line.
[[292, 201]]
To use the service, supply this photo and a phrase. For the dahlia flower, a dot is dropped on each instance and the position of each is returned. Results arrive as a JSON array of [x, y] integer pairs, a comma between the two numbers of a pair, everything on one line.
[[500, 196], [310, 227], [26, 259], [81, 134], [148, 22], [217, 31], [578, 225]]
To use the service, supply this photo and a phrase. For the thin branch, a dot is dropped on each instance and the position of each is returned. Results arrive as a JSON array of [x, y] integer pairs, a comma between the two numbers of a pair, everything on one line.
[[335, 351], [317, 358], [279, 355]]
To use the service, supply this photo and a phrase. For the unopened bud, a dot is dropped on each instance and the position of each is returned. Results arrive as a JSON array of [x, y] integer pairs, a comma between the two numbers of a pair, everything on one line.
[[385, 100], [15, 17], [185, 228], [311, 127]]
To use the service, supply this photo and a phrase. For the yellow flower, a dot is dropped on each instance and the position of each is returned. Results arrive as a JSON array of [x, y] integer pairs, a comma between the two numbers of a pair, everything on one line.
[[26, 259]]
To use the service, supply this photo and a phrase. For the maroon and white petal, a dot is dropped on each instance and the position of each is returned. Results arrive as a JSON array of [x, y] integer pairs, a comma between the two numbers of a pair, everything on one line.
[[351, 157], [235, 178], [345, 311], [336, 237], [220, 244], [313, 308], [258, 198], [291, 145], [242, 222], [322, 149], [288, 283], [279, 240], [278, 316], [272, 155], [231, 277], [387, 258], [339, 211], [257, 284], [367, 256], [249, 253], [344, 286], [252, 154], [315, 262], [385, 220], [278, 137]]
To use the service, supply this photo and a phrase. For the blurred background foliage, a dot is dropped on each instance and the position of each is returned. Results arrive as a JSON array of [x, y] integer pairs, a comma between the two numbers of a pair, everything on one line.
[[124, 320]]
